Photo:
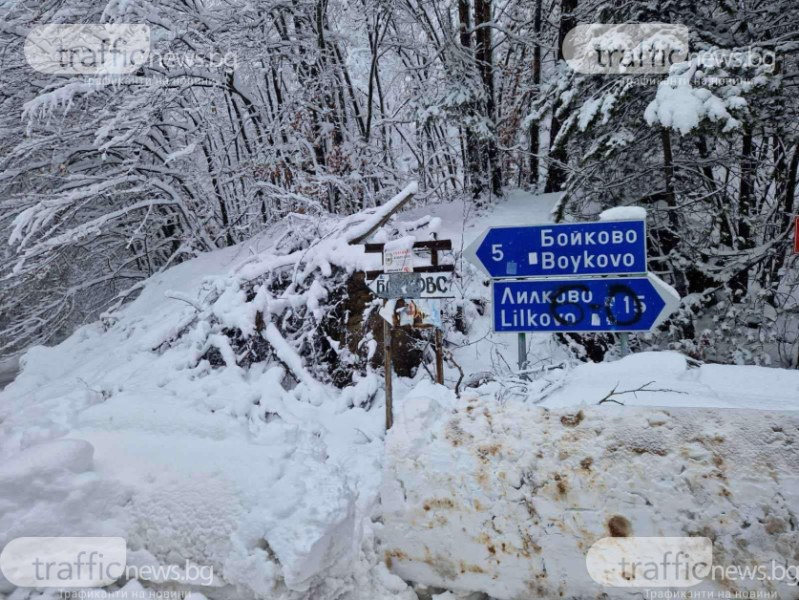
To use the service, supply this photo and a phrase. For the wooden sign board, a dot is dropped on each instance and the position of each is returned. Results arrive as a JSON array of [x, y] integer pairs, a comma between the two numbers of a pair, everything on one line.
[[398, 261], [413, 285]]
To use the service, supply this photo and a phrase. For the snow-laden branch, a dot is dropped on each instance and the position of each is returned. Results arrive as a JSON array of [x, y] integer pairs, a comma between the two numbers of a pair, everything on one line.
[[380, 217]]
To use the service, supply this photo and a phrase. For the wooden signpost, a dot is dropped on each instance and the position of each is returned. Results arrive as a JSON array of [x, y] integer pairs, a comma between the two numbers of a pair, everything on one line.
[[416, 287]]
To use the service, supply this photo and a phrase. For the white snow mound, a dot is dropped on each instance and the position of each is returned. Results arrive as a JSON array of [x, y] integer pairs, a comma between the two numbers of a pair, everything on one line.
[[507, 498]]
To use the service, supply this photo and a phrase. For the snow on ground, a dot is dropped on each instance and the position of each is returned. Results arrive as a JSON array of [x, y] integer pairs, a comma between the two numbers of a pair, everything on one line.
[[123, 430], [104, 435], [665, 379], [507, 498]]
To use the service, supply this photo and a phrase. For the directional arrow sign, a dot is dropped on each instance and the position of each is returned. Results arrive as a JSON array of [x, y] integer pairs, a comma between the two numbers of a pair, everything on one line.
[[413, 285], [597, 248], [583, 305]]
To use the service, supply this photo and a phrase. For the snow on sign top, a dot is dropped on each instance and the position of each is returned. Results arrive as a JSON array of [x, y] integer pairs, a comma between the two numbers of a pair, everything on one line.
[[399, 260]]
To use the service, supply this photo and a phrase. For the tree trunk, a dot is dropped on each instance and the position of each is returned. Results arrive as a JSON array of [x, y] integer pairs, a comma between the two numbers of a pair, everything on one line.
[[740, 283], [484, 58], [471, 157], [558, 157], [534, 128], [669, 238]]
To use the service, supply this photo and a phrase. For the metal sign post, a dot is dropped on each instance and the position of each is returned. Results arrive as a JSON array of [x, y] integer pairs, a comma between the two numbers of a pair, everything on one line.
[[521, 350], [387, 335], [624, 344]]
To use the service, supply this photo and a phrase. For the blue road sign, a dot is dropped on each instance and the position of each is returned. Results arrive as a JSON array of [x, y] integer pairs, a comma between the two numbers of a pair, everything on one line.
[[571, 249], [582, 305]]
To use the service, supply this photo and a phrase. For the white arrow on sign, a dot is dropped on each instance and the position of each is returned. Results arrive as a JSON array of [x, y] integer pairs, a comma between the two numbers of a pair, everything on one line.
[[413, 285]]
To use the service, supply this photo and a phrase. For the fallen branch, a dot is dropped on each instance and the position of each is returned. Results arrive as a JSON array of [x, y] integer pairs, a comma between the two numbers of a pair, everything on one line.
[[381, 216], [643, 388]]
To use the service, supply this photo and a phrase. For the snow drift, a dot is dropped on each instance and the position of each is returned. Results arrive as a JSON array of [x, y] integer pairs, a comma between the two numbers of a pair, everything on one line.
[[507, 498], [216, 421], [194, 423]]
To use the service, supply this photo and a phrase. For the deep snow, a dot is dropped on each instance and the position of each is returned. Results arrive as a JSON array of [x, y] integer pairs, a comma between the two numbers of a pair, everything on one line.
[[117, 432], [508, 498]]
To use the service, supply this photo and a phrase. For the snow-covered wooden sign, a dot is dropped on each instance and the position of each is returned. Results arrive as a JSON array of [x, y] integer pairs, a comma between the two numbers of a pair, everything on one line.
[[399, 260], [413, 285], [419, 289]]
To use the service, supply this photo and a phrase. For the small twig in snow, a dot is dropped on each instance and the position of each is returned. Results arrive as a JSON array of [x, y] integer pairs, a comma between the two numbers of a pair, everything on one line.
[[643, 388], [183, 298]]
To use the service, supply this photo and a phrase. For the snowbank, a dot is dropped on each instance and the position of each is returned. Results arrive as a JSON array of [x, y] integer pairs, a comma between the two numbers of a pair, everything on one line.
[[126, 429], [506, 498], [271, 476]]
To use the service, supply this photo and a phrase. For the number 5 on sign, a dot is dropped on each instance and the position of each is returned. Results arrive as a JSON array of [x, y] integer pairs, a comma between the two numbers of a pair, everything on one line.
[[496, 252]]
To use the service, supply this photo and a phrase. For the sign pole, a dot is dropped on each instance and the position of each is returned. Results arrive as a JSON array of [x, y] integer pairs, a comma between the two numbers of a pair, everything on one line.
[[624, 343], [522, 351], [437, 334], [439, 358], [387, 331]]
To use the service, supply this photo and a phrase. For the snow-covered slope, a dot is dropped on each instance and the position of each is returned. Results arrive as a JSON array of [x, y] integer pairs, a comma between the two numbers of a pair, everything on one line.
[[123, 430]]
